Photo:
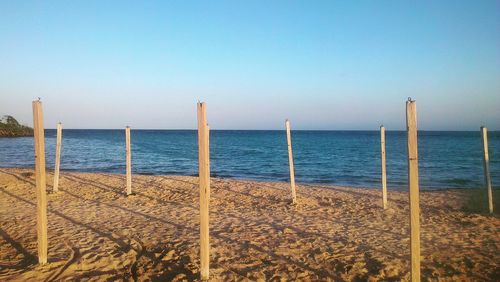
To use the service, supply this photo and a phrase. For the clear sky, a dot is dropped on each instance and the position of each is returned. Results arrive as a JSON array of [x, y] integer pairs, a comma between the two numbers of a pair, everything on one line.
[[323, 64]]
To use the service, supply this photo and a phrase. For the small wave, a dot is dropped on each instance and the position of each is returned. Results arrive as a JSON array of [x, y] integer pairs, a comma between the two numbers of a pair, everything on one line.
[[459, 181]]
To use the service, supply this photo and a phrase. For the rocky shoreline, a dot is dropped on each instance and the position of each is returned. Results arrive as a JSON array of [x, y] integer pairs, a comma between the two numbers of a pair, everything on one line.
[[15, 133]]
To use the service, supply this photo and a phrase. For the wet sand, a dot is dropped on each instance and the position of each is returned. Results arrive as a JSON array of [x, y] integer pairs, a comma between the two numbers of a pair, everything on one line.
[[332, 234]]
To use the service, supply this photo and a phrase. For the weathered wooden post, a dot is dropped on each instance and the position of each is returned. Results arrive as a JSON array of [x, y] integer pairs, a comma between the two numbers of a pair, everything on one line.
[[204, 182], [411, 126], [486, 162], [58, 157], [41, 222], [208, 146], [382, 155], [128, 160], [290, 161]]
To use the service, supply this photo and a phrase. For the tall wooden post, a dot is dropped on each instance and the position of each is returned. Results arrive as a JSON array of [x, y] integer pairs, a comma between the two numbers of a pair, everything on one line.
[[204, 182], [128, 160], [413, 185], [41, 222], [208, 146], [290, 161], [486, 162], [58, 157], [382, 156]]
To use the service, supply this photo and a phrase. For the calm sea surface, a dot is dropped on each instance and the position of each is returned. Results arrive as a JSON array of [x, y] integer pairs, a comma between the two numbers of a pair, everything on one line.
[[351, 158]]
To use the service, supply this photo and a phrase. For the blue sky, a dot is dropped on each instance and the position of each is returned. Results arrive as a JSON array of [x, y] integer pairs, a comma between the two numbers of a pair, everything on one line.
[[322, 64]]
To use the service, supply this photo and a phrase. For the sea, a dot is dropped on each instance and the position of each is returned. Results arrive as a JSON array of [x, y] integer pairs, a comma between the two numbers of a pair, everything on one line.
[[447, 159]]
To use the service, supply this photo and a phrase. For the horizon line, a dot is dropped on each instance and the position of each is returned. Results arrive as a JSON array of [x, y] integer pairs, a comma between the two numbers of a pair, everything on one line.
[[195, 129]]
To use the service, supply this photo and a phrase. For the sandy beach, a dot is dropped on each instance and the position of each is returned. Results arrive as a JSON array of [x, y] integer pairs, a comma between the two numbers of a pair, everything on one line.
[[332, 234]]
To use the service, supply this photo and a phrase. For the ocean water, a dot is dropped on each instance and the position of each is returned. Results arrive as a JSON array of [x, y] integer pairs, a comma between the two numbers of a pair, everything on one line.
[[347, 158]]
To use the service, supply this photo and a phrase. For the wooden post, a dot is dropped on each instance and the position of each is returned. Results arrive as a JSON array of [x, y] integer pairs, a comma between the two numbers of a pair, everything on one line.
[[41, 222], [290, 161], [486, 162], [411, 126], [384, 177], [58, 157], [204, 182], [208, 146], [128, 160]]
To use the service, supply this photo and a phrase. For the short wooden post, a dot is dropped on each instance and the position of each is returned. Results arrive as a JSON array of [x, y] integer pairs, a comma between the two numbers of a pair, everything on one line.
[[413, 185], [41, 195], [290, 161], [486, 162], [128, 160], [58, 157], [382, 155], [204, 182]]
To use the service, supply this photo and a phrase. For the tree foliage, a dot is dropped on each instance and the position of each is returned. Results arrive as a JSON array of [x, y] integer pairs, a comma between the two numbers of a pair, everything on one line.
[[10, 127]]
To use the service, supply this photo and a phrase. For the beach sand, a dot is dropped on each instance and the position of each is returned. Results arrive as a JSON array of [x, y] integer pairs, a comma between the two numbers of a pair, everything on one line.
[[332, 234]]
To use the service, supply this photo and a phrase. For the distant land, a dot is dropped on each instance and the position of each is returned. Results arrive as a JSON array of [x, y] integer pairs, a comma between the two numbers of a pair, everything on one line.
[[10, 127]]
